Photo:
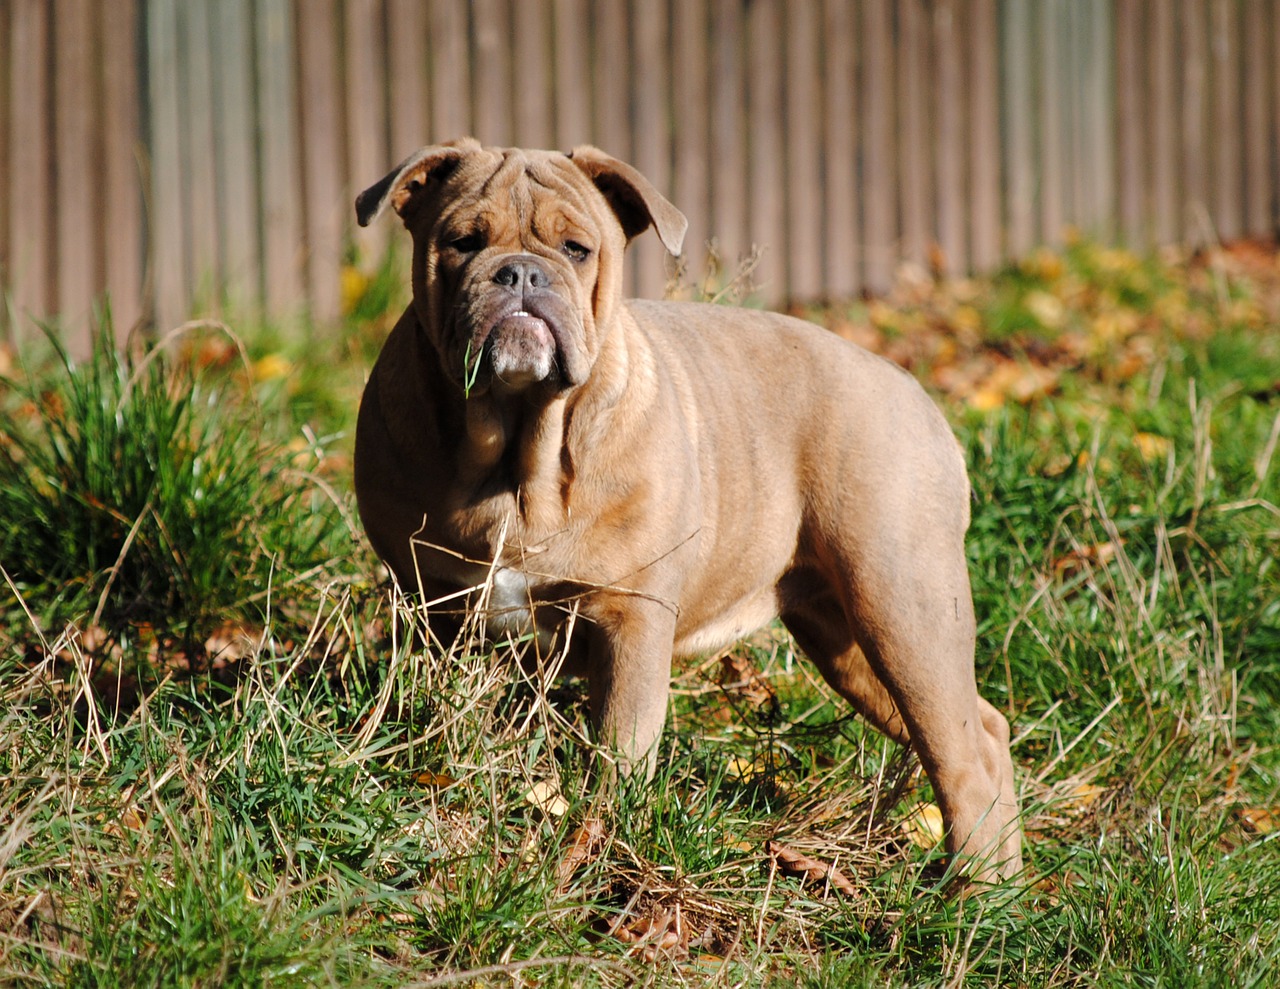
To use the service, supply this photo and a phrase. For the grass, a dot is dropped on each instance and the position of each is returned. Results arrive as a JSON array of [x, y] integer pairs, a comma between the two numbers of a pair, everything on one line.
[[222, 762]]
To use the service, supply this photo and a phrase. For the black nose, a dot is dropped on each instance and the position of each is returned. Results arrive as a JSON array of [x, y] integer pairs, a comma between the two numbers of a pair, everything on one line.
[[522, 274]]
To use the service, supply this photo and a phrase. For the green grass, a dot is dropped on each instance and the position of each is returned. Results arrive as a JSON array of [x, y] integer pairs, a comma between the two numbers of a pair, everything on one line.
[[222, 762]]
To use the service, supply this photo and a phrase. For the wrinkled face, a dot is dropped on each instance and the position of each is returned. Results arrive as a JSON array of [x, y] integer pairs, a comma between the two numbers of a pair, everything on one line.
[[517, 264]]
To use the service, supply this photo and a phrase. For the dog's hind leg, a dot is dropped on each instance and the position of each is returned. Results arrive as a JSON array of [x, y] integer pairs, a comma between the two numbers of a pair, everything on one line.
[[911, 675]]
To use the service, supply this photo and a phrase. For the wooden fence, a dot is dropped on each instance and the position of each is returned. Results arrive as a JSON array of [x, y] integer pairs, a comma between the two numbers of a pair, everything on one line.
[[188, 155]]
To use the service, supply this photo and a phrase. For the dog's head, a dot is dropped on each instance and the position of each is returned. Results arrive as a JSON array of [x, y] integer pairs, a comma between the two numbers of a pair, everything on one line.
[[517, 255]]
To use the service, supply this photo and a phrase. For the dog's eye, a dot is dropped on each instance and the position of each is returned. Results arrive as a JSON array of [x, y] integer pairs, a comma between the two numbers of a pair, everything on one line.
[[576, 251], [468, 243]]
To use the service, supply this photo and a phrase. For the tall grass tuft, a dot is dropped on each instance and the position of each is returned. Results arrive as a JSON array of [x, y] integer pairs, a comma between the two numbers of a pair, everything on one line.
[[139, 490]]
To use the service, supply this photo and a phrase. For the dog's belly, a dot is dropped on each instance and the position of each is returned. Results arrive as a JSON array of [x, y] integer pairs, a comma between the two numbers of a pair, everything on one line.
[[728, 625]]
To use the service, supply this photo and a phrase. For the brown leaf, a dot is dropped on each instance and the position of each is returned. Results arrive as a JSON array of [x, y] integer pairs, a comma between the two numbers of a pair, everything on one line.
[[796, 863], [585, 846]]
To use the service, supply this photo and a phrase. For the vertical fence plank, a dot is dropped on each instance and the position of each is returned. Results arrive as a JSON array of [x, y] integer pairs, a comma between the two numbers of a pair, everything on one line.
[[325, 208], [1097, 58], [531, 55], [690, 103], [728, 136], [167, 246], [767, 218], [77, 229], [237, 179], [409, 89], [200, 189], [803, 154], [879, 192], [572, 57], [1131, 116], [840, 159], [1052, 177], [984, 129], [31, 220], [1195, 221], [122, 136], [6, 266], [1258, 135], [651, 138], [1225, 141], [279, 160], [491, 78], [1164, 123], [364, 49], [1017, 52], [451, 105], [951, 177], [611, 73]]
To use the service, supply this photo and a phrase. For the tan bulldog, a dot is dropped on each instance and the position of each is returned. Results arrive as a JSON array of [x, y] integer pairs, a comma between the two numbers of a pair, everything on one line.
[[675, 474]]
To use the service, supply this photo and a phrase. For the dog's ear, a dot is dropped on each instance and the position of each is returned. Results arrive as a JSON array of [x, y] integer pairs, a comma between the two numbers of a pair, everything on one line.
[[411, 177], [632, 197]]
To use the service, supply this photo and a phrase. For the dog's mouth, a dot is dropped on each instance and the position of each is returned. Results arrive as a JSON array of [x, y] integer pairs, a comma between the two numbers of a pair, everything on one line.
[[516, 350]]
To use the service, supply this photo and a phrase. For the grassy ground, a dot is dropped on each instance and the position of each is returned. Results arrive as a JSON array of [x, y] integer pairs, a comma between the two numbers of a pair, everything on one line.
[[221, 764]]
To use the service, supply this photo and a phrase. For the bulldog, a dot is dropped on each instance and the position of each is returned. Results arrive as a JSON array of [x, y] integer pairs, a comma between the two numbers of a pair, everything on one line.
[[672, 474]]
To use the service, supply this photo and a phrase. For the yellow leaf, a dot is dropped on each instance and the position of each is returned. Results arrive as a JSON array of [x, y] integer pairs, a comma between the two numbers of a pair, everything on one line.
[[1152, 446], [354, 285], [545, 795], [923, 826], [1047, 309], [272, 367]]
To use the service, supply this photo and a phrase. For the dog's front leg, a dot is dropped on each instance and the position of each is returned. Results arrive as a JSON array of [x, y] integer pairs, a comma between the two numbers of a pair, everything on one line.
[[629, 680]]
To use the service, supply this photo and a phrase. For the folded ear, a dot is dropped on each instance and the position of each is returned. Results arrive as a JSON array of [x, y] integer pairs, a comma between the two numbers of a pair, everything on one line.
[[632, 197], [412, 177]]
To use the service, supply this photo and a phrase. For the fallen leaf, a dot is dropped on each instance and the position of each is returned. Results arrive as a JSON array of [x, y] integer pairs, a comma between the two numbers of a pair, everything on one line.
[[1259, 820], [545, 795], [585, 846], [924, 827], [439, 780], [796, 863]]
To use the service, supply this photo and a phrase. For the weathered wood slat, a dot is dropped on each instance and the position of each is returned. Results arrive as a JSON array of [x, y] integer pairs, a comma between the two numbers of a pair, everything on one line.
[[984, 135], [728, 137], [1052, 150], [1019, 109], [78, 203], [168, 253], [1258, 135], [409, 87], [691, 116], [1165, 94], [1097, 84], [950, 164], [767, 211], [325, 207], [572, 50], [279, 160], [531, 62], [803, 182], [842, 273], [1226, 139], [1131, 123], [122, 176], [204, 211], [651, 138], [1195, 217], [491, 76], [368, 155], [31, 256], [241, 259], [451, 108]]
